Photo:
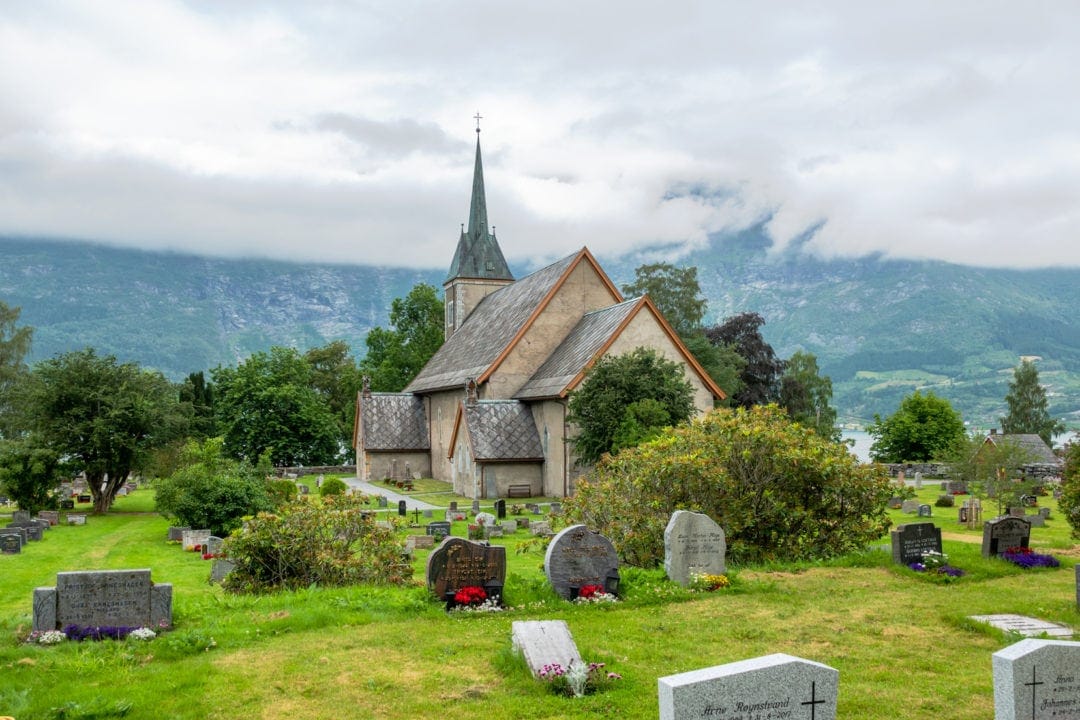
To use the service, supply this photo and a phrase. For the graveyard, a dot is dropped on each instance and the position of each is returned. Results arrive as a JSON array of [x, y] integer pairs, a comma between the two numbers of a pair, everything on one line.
[[870, 637]]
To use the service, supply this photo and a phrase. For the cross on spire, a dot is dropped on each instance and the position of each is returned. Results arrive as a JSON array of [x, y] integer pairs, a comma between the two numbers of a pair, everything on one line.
[[478, 117]]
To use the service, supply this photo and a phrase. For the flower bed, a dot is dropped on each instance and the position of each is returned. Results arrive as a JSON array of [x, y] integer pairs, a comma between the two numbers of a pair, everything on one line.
[[1026, 558], [578, 679]]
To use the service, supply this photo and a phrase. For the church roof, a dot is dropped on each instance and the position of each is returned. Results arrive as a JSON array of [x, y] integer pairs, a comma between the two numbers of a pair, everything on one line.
[[500, 430], [578, 350], [494, 327], [1037, 450], [393, 422], [478, 254]]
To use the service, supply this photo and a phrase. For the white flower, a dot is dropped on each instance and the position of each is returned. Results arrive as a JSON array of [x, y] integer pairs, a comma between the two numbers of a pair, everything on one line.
[[143, 633], [52, 637]]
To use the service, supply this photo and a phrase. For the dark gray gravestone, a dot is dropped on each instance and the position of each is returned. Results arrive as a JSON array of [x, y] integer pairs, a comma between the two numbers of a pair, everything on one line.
[[102, 597], [693, 544], [458, 563], [1078, 587], [20, 518], [925, 511], [578, 556], [402, 510], [85, 498], [18, 532], [475, 506], [67, 504], [1037, 679], [438, 530], [774, 686], [1002, 533], [220, 568], [500, 509], [177, 533], [913, 540], [381, 501], [11, 544], [453, 506], [34, 532]]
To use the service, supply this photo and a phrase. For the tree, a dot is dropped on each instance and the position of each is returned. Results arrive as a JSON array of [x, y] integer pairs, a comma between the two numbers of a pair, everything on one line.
[[674, 291], [722, 362], [923, 428], [14, 346], [101, 416], [1028, 412], [198, 394], [608, 401], [29, 475], [1069, 503], [395, 356], [213, 491], [780, 490], [268, 404], [761, 374], [336, 379], [805, 394]]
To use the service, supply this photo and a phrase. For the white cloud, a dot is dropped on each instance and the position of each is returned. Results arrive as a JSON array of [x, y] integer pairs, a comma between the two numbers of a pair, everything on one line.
[[331, 131]]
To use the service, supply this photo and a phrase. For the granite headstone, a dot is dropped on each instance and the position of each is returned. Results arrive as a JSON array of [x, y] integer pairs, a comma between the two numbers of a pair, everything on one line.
[[913, 540], [544, 642], [458, 563], [103, 597], [1037, 679], [693, 544], [578, 556], [1005, 532]]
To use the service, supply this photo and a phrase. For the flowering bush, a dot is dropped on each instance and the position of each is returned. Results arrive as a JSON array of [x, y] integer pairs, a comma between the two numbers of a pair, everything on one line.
[[1026, 558], [578, 679], [47, 637], [935, 563], [79, 633], [704, 582], [470, 595], [143, 633]]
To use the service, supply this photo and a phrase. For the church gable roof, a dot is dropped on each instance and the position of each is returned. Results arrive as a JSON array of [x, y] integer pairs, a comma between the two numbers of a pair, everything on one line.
[[500, 430], [1037, 450], [496, 325], [393, 422]]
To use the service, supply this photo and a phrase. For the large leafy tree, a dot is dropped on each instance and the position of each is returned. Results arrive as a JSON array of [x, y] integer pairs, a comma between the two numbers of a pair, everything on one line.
[[14, 345], [396, 355], [336, 378], [268, 404], [675, 292], [102, 416], [762, 370], [625, 399], [1028, 409], [923, 428], [779, 489], [29, 474], [805, 394]]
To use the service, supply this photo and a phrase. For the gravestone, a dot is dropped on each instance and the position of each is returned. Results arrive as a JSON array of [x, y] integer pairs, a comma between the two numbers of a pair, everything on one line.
[[438, 530], [380, 500], [53, 516], [555, 508], [20, 517], [402, 509], [1002, 533], [896, 502], [485, 518], [67, 504], [910, 507], [103, 597], [213, 545], [85, 498], [693, 544], [925, 511], [1036, 520], [1044, 511], [523, 522], [423, 542], [544, 642], [509, 527], [17, 532], [492, 531], [774, 686], [578, 556], [453, 506], [220, 568], [1017, 511], [918, 481], [34, 532], [913, 540], [304, 489], [475, 506], [458, 563], [176, 534], [1025, 626], [10, 544], [1037, 679], [500, 509], [195, 538], [1077, 587], [74, 519], [540, 528]]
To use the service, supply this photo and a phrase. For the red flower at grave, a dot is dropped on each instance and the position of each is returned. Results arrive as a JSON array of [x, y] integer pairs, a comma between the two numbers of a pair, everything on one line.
[[588, 591], [470, 595]]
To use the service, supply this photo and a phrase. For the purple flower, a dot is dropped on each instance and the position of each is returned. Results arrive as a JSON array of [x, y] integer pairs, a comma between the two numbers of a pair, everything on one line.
[[1029, 559], [917, 567]]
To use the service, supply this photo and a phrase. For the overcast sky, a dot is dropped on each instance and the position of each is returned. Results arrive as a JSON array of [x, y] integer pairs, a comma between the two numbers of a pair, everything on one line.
[[343, 132]]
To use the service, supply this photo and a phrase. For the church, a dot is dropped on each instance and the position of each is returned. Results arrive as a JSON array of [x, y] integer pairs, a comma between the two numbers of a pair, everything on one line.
[[488, 411]]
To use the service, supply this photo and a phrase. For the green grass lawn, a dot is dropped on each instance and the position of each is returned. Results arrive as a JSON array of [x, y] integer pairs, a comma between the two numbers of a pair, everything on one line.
[[901, 642]]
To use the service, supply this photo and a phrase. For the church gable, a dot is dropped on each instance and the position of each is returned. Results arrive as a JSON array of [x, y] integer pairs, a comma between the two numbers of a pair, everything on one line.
[[498, 431], [391, 422]]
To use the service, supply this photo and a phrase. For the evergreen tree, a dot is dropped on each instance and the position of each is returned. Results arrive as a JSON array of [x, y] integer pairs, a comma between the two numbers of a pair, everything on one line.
[[805, 394], [1028, 408]]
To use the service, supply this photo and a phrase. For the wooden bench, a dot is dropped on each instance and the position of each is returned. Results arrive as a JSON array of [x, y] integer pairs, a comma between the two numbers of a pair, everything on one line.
[[519, 491]]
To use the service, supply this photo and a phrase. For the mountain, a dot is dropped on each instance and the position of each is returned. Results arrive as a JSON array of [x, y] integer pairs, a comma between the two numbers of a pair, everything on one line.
[[879, 327]]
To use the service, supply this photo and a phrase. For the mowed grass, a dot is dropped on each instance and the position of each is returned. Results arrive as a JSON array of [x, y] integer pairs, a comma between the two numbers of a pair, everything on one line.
[[903, 645]]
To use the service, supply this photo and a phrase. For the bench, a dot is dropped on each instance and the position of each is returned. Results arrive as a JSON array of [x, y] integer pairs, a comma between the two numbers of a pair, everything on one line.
[[519, 491]]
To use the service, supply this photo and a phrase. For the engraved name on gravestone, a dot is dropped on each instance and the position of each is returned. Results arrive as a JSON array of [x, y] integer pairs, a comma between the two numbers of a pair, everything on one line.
[[1002, 533], [103, 597], [913, 540], [693, 544], [1036, 679], [578, 556], [458, 563], [775, 686]]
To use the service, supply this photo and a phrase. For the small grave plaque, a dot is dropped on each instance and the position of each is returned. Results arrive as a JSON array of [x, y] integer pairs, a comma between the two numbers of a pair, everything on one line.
[[195, 538], [10, 544], [458, 563], [925, 511], [913, 540], [102, 597], [85, 498], [1002, 533], [438, 530], [67, 504], [74, 519], [544, 642], [1037, 679], [774, 686], [423, 542], [693, 544], [578, 556]]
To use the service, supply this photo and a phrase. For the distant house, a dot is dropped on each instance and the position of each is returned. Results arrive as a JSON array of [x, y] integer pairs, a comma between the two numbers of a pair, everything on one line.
[[488, 411], [1040, 461]]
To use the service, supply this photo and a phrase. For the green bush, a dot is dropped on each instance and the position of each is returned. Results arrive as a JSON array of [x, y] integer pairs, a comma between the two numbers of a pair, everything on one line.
[[281, 492], [333, 486], [1069, 503], [779, 490], [945, 501], [211, 491], [333, 545]]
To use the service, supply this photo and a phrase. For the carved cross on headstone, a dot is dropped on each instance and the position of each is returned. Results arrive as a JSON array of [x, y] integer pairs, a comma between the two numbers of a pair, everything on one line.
[[1033, 684], [813, 702]]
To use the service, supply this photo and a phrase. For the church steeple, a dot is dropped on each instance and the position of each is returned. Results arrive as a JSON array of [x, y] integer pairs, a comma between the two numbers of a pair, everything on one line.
[[478, 267]]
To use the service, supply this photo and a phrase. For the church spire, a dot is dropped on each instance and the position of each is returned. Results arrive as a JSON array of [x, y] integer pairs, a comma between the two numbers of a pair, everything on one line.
[[478, 254]]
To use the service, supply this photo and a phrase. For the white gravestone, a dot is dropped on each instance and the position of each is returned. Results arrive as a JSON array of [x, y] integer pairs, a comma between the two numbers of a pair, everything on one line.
[[544, 642], [1036, 679], [693, 544]]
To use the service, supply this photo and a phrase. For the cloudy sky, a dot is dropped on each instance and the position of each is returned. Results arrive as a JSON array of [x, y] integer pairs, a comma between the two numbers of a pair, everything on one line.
[[343, 132]]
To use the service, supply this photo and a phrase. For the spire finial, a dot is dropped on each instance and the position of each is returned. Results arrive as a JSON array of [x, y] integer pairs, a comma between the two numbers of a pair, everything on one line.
[[478, 117]]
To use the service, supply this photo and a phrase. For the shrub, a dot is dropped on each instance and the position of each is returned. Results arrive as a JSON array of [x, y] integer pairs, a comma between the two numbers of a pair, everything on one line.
[[333, 486], [945, 501], [1069, 502], [779, 490], [337, 544], [212, 491], [281, 492]]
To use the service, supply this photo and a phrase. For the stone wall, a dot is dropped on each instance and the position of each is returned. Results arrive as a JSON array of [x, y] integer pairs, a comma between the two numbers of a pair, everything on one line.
[[316, 470], [939, 471]]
